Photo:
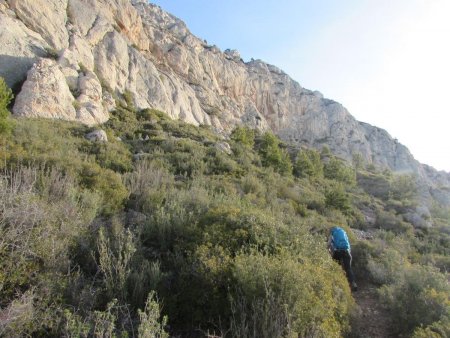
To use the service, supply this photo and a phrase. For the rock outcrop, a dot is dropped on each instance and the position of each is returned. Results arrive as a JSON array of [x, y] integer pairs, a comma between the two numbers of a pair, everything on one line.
[[45, 93], [97, 136], [81, 53]]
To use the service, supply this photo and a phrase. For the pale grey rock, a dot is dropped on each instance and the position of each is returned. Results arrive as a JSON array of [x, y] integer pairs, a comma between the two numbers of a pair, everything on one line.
[[232, 54], [46, 17], [90, 20], [109, 104], [4, 9], [224, 147], [45, 93], [318, 94], [138, 2], [363, 235], [98, 135], [78, 55], [71, 76], [19, 49], [90, 106], [83, 15], [112, 61], [94, 19]]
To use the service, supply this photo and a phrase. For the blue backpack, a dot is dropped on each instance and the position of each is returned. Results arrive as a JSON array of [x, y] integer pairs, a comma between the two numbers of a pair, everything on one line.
[[339, 239]]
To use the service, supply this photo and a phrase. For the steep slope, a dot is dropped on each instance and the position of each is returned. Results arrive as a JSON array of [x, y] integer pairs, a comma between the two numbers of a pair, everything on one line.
[[80, 53]]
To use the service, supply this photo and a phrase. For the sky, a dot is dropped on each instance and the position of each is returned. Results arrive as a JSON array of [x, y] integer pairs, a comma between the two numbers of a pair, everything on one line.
[[386, 61]]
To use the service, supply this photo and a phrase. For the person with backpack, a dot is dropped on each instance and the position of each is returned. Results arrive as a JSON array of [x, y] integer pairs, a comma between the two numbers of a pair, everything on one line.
[[339, 248]]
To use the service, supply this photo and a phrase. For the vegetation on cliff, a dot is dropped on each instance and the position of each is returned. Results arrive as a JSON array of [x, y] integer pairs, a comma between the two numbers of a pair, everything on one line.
[[160, 231]]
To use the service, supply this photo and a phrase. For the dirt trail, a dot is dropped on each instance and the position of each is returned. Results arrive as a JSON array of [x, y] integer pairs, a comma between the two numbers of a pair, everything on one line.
[[372, 320]]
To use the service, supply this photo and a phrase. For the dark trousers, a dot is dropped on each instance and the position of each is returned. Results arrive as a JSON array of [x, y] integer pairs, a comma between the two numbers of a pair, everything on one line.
[[345, 259]]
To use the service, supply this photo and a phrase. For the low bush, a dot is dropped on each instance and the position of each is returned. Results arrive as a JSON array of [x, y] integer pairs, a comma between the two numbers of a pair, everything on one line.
[[336, 169], [6, 97], [392, 222], [430, 303], [284, 296], [274, 156], [308, 164], [336, 197]]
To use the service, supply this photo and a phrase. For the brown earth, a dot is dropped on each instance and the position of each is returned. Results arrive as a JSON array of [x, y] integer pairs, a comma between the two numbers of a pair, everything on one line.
[[371, 320]]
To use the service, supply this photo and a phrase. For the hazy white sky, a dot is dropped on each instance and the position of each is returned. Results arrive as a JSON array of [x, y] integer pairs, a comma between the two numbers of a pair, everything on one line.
[[386, 61]]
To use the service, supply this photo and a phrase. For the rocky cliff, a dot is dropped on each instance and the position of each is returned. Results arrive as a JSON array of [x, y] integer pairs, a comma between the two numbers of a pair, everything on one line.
[[67, 58]]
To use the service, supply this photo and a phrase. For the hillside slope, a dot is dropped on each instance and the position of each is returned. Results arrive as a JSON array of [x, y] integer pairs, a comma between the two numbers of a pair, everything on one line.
[[231, 236], [75, 56]]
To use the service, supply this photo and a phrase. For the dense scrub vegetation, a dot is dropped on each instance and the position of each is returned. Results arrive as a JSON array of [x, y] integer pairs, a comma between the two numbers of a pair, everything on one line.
[[160, 231]]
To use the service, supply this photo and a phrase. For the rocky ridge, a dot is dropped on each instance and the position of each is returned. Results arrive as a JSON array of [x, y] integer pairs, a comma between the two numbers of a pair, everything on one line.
[[67, 58]]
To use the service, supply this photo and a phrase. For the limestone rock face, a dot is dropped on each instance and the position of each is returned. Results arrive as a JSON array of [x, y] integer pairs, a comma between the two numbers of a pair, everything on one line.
[[107, 47], [46, 17], [90, 102], [20, 48], [45, 93]]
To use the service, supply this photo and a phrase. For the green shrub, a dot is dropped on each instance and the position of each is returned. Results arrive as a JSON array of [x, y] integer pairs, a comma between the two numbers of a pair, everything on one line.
[[273, 156], [144, 277], [115, 252], [112, 155], [357, 161], [6, 97], [375, 184], [392, 222], [74, 325], [387, 267], [219, 163], [280, 296], [362, 253], [439, 329], [337, 170], [41, 216], [336, 197], [244, 136], [151, 326], [429, 304], [250, 184], [148, 184], [404, 187], [128, 97], [237, 229], [107, 184], [308, 164]]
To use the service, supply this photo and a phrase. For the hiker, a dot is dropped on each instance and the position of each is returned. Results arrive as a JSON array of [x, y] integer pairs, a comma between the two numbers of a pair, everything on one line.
[[339, 248]]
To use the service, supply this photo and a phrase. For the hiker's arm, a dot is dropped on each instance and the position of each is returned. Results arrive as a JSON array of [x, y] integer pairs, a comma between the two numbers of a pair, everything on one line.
[[329, 245]]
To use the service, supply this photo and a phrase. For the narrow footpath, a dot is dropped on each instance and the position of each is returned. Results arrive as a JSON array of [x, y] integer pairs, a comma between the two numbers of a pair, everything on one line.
[[372, 319]]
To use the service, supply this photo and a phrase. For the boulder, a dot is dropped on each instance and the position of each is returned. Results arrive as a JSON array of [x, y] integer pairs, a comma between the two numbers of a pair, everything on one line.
[[45, 93], [97, 136], [90, 108], [224, 147]]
